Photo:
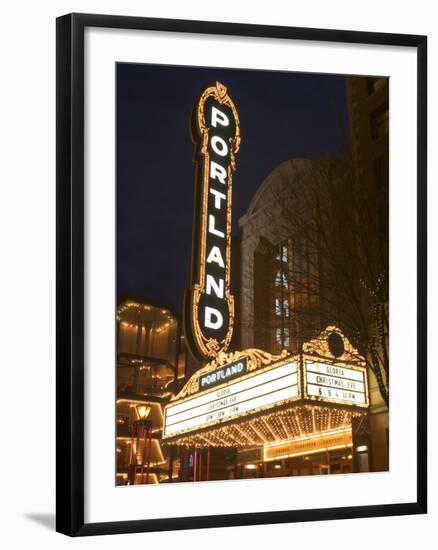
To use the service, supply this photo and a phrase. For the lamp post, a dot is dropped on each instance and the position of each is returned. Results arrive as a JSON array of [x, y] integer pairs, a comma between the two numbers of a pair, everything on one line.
[[143, 429]]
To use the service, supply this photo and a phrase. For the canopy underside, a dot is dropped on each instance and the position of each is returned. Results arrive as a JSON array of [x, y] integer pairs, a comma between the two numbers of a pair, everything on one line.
[[287, 424]]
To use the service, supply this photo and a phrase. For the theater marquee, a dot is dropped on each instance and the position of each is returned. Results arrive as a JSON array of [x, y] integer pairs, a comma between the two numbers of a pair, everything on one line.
[[209, 307], [258, 391], [251, 396]]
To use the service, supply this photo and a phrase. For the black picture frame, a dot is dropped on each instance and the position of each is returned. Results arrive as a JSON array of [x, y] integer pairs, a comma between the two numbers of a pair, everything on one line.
[[70, 273]]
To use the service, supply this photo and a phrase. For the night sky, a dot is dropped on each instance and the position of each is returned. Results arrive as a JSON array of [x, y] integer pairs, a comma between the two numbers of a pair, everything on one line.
[[282, 116]]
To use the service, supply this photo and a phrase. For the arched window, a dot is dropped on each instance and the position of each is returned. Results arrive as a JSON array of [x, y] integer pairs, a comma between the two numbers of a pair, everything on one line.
[[281, 280], [281, 307], [282, 337], [282, 253]]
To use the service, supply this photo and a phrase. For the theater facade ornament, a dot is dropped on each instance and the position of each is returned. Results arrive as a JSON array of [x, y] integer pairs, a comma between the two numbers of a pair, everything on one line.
[[252, 392]]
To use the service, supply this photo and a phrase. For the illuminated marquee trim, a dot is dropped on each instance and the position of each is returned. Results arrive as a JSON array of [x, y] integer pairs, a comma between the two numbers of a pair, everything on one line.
[[293, 421], [206, 346]]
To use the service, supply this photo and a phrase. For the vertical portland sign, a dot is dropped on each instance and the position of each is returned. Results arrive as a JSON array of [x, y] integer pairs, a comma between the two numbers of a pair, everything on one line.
[[209, 306]]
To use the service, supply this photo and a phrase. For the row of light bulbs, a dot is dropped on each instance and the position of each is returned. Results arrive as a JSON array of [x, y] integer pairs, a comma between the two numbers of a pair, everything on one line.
[[302, 423]]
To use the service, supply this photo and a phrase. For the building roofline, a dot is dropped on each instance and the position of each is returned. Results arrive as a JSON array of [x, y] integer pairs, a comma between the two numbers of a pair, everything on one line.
[[299, 161], [141, 298]]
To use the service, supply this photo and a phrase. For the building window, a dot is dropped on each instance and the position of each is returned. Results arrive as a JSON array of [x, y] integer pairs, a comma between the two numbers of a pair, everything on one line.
[[281, 279], [281, 307], [282, 253], [379, 120], [282, 337], [304, 276]]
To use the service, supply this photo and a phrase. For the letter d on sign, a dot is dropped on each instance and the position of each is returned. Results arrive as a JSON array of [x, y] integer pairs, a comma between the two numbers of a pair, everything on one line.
[[213, 318]]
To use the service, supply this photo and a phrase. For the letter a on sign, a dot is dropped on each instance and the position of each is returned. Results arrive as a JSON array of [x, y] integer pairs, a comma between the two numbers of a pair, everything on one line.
[[209, 304]]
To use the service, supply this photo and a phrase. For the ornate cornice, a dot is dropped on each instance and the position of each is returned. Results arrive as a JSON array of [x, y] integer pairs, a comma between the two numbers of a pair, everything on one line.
[[320, 346], [256, 359]]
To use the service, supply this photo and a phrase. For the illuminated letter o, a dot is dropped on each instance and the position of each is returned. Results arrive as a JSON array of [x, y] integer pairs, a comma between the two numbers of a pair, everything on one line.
[[219, 146]]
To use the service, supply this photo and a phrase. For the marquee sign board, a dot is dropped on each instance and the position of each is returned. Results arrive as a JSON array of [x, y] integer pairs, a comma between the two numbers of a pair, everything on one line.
[[209, 306], [260, 390], [338, 384]]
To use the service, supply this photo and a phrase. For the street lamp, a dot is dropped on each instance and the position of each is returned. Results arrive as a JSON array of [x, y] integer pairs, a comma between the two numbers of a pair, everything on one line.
[[144, 431], [143, 411]]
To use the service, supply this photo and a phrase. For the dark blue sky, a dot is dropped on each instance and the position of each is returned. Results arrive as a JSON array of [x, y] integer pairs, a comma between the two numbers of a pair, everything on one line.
[[282, 115]]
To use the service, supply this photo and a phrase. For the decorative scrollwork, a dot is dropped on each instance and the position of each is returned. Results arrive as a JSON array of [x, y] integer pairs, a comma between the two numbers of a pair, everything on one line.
[[320, 346], [257, 358]]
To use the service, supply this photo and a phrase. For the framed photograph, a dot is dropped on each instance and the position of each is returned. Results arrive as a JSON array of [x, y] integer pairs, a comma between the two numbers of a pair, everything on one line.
[[241, 274]]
